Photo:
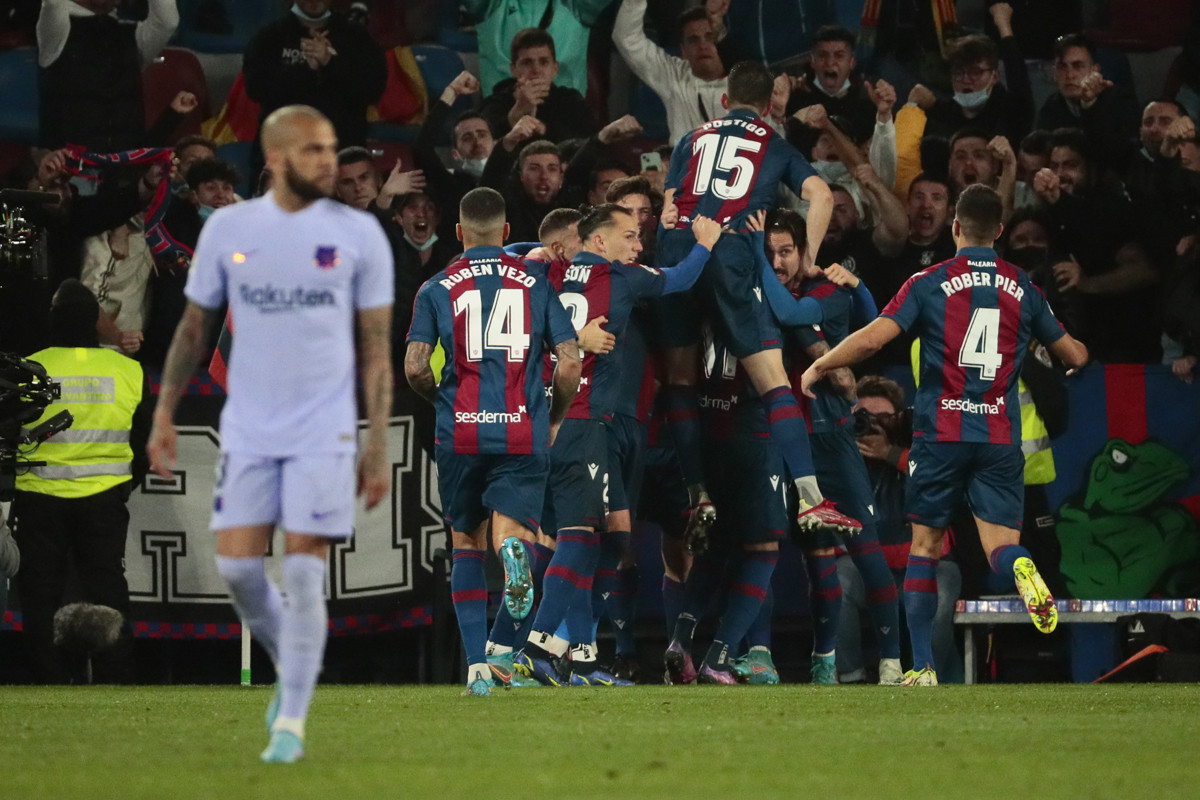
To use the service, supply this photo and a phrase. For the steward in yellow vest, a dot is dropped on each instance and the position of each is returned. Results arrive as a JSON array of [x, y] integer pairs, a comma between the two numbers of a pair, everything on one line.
[[71, 510]]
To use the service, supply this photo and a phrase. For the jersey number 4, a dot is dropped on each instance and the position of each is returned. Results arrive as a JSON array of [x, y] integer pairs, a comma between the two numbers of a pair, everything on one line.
[[506, 329], [723, 153], [981, 345]]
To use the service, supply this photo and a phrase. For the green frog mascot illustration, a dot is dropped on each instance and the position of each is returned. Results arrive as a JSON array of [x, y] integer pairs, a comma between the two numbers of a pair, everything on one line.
[[1125, 541]]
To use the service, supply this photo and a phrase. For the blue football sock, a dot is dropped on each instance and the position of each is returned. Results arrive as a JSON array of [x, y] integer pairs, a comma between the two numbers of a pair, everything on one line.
[[569, 571], [468, 590], [746, 594], [788, 431], [302, 634], [759, 632], [920, 605], [883, 601], [682, 406], [826, 601], [672, 592], [621, 606], [1004, 556], [702, 583]]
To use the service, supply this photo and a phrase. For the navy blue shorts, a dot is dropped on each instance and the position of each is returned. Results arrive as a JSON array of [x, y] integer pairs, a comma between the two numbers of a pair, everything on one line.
[[626, 448], [730, 292], [746, 478], [992, 475], [843, 478], [577, 489], [663, 498], [472, 485]]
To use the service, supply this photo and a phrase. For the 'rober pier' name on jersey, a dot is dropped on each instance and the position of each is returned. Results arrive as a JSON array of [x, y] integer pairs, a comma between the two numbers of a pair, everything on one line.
[[476, 269], [969, 279]]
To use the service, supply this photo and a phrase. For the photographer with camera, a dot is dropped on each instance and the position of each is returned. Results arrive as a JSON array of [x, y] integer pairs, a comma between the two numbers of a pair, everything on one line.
[[883, 430], [71, 509]]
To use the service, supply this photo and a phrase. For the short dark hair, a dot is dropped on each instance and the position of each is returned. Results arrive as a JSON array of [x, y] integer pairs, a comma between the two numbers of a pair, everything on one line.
[[192, 141], [211, 169], [403, 201], [354, 155], [539, 148], [1036, 143], [633, 184], [528, 38], [558, 220], [835, 33], [482, 209], [879, 386], [1073, 138], [967, 50], [931, 177], [979, 211], [750, 84], [785, 220], [597, 217], [1065, 42], [968, 133], [694, 14], [1180, 107], [604, 166]]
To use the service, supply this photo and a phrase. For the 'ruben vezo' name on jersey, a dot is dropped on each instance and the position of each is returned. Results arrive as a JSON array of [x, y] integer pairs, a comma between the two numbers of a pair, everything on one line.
[[481, 268]]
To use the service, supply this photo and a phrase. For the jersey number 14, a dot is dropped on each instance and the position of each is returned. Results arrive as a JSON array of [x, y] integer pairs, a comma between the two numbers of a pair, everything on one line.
[[506, 328], [981, 345]]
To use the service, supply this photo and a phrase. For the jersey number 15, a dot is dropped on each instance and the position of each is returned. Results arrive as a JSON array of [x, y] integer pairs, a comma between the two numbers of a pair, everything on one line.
[[722, 153], [506, 329]]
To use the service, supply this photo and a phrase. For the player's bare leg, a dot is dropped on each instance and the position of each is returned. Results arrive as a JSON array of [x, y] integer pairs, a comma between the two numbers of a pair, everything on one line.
[[1007, 557], [681, 366], [766, 371]]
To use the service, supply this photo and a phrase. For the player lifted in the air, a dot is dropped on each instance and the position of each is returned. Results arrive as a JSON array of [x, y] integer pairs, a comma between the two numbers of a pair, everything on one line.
[[494, 319], [975, 316], [727, 170]]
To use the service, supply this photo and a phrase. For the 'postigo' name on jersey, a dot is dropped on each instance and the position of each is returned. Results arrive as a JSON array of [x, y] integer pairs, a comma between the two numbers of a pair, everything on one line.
[[969, 279], [476, 269], [970, 406], [489, 417], [278, 298], [757, 130]]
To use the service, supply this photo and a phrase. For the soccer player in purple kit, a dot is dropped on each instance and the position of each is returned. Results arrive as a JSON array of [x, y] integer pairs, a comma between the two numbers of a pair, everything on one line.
[[729, 169], [494, 319], [975, 315], [605, 280], [297, 270]]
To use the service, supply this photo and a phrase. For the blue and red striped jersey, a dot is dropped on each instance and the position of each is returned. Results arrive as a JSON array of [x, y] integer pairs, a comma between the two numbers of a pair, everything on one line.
[[831, 409], [975, 316], [729, 168], [635, 390], [591, 287], [729, 405], [494, 319]]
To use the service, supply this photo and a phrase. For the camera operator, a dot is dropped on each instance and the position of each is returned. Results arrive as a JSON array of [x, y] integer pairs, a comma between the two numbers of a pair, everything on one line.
[[72, 509], [883, 428]]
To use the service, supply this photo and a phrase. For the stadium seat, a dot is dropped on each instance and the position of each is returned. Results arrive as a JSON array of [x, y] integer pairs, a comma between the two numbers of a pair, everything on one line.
[[449, 32], [1134, 28], [223, 26], [240, 155], [19, 88], [175, 70]]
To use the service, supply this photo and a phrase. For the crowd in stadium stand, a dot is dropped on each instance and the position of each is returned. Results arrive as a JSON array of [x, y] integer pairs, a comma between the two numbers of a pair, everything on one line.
[[569, 103]]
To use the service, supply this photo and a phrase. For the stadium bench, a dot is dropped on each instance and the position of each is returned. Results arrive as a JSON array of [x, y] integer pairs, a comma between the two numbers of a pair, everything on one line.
[[970, 613]]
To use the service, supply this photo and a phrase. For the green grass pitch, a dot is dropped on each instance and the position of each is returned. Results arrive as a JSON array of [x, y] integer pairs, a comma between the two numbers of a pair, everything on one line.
[[1046, 742]]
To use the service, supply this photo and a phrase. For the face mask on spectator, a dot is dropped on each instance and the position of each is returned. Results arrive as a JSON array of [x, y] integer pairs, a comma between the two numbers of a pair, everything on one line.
[[831, 171], [206, 212], [972, 100], [840, 90], [421, 248], [306, 18], [473, 166], [1028, 258]]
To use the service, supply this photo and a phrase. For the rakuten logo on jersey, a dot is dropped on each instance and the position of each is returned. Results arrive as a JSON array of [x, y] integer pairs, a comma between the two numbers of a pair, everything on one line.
[[489, 417], [970, 406], [271, 298]]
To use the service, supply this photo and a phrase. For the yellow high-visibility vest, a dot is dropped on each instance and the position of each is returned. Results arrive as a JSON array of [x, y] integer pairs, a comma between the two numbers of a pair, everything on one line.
[[101, 388], [1035, 439]]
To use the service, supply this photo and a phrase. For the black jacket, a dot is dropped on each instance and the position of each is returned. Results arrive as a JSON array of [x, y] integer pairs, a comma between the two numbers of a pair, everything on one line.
[[564, 112]]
